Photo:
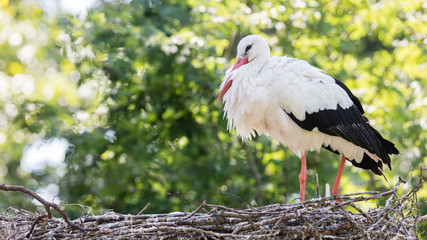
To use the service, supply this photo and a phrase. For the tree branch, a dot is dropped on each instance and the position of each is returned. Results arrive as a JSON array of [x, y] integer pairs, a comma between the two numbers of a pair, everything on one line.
[[45, 203]]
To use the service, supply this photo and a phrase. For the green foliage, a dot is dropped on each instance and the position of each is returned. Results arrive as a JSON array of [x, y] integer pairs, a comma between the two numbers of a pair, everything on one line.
[[133, 88]]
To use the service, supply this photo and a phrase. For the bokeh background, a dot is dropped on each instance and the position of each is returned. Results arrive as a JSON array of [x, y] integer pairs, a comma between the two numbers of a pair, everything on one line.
[[112, 104]]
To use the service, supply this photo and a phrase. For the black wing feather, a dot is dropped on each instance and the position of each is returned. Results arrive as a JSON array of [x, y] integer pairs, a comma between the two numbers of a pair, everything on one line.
[[350, 94], [346, 123], [351, 125], [366, 163]]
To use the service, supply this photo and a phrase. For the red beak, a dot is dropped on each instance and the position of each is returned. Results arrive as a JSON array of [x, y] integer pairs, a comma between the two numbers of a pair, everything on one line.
[[240, 62], [228, 82]]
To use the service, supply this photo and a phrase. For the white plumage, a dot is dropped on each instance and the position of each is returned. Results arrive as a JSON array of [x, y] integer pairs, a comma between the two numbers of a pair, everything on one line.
[[262, 93]]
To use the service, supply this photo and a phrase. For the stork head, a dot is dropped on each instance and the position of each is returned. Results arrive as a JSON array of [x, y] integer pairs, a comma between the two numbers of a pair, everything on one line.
[[252, 47], [252, 51]]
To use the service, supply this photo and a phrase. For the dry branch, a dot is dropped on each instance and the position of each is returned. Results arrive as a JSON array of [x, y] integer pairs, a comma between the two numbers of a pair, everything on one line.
[[45, 203], [321, 218]]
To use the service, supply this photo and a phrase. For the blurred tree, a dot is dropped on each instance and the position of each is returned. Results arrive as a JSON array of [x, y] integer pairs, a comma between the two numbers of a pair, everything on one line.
[[134, 92], [38, 97]]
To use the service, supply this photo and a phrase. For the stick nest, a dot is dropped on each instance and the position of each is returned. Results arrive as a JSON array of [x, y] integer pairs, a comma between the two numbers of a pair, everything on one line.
[[322, 218]]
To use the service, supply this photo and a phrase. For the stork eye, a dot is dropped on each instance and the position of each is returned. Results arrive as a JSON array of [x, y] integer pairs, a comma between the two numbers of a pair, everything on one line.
[[248, 47]]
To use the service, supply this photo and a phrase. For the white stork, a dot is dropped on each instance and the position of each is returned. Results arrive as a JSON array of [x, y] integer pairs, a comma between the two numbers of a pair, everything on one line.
[[301, 107]]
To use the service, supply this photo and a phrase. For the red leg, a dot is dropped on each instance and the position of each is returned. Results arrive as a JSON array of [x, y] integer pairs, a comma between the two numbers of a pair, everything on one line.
[[337, 180], [303, 177]]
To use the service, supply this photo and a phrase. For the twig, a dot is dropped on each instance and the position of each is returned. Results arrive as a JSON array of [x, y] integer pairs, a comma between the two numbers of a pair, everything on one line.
[[356, 225], [195, 211], [410, 176], [241, 200], [314, 230], [34, 224], [368, 218], [327, 190], [45, 203], [146, 206], [83, 207], [394, 192], [317, 186]]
